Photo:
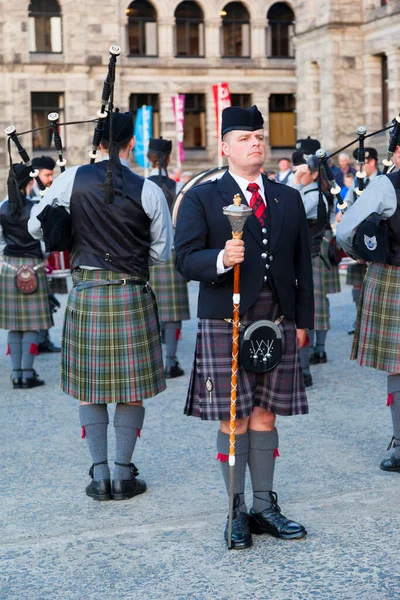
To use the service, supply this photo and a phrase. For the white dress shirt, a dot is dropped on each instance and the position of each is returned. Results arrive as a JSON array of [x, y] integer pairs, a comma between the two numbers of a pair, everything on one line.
[[242, 183]]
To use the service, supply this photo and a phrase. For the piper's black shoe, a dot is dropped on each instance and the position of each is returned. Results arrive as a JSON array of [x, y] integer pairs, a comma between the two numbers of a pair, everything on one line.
[[351, 332], [99, 490], [318, 358], [16, 382], [272, 521], [48, 346], [123, 489], [31, 382], [391, 464], [241, 535], [307, 380], [174, 371]]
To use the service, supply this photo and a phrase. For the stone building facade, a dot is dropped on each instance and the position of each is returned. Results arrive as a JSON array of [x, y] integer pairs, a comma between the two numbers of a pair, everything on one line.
[[314, 67]]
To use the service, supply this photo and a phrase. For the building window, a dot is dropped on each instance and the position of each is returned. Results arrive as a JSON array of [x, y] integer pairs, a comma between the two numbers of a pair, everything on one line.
[[385, 90], [280, 31], [282, 121], [243, 100], [45, 26], [138, 100], [195, 122], [42, 104], [142, 28], [189, 30], [235, 31]]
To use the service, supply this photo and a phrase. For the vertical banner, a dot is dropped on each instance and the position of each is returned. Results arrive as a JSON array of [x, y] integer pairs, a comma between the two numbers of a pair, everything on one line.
[[222, 99], [178, 105], [143, 132]]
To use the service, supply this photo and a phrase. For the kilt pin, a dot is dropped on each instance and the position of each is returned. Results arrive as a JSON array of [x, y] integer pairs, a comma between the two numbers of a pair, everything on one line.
[[111, 349], [18, 311]]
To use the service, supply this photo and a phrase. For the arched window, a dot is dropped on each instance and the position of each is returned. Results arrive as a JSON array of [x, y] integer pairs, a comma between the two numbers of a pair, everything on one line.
[[142, 28], [280, 31], [235, 30], [45, 26], [189, 30], [282, 120]]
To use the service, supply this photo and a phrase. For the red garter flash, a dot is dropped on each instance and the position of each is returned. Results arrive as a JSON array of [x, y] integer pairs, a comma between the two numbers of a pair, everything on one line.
[[178, 335], [34, 349], [276, 453], [389, 400], [8, 350], [83, 433], [139, 432], [222, 457]]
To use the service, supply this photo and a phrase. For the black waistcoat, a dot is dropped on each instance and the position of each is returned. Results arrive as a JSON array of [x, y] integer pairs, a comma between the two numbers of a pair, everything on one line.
[[109, 236], [393, 223], [19, 241], [168, 186]]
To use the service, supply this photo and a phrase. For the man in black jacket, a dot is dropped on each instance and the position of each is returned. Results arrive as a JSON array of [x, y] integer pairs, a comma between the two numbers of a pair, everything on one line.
[[276, 280]]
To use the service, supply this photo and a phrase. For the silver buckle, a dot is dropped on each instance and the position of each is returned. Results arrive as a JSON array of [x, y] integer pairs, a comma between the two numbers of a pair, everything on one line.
[[123, 281]]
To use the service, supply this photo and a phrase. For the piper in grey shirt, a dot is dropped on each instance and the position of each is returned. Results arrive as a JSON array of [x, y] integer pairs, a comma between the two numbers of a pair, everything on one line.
[[153, 202]]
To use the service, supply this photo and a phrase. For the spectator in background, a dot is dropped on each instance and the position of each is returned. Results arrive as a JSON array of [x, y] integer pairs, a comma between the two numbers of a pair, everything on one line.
[[284, 174], [345, 168]]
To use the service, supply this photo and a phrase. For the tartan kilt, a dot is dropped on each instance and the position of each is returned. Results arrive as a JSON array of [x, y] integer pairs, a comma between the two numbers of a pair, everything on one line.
[[377, 336], [111, 346], [23, 312], [280, 391], [170, 289], [321, 315], [332, 279], [355, 274]]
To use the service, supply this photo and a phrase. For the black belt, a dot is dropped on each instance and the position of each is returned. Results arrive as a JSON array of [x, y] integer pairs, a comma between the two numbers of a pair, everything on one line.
[[84, 285]]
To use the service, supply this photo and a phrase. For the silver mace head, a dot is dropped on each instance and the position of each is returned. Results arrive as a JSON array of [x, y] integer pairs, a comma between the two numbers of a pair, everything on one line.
[[237, 214]]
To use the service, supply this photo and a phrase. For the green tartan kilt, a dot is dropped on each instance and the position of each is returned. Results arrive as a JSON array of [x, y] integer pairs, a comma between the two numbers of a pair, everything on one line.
[[321, 302], [377, 336], [355, 274], [332, 279], [111, 346], [23, 312], [170, 289]]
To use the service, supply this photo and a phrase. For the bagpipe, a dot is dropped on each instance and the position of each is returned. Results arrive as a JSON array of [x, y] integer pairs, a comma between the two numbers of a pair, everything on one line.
[[55, 221]]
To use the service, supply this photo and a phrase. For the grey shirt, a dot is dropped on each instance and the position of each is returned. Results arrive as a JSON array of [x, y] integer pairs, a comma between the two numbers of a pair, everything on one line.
[[311, 199], [379, 197], [153, 202]]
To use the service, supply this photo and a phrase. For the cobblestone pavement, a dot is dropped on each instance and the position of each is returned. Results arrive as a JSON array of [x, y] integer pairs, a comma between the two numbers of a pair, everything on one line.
[[57, 544]]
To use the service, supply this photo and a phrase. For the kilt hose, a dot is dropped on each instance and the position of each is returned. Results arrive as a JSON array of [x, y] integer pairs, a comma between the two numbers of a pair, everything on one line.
[[111, 346], [170, 289], [377, 336], [18, 311], [355, 274], [280, 391], [332, 279], [321, 315]]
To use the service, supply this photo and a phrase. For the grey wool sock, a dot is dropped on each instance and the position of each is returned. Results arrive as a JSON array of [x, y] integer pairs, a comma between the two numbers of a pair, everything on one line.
[[14, 342], [94, 423], [304, 354], [30, 342], [128, 421], [172, 331], [393, 383], [262, 447], [241, 455], [321, 340]]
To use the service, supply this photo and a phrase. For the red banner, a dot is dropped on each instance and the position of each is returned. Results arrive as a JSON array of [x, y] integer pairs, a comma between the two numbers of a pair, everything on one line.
[[222, 99]]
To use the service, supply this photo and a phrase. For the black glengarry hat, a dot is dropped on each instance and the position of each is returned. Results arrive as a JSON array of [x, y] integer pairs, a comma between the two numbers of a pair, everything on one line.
[[122, 129], [235, 118], [308, 145], [160, 146], [369, 153], [43, 162]]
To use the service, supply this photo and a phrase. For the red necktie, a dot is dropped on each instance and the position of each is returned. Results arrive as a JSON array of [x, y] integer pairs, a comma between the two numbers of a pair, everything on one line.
[[257, 203]]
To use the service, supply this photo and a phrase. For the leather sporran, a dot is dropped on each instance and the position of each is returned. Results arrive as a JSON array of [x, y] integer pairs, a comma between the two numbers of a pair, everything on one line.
[[261, 346], [26, 280]]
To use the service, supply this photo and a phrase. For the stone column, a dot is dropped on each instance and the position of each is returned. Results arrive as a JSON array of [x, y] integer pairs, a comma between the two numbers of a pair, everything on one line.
[[212, 38], [166, 31], [258, 38], [372, 92]]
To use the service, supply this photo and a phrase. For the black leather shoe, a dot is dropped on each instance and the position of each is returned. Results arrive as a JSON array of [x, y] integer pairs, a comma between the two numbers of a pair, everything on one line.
[[351, 332], [317, 358], [99, 490], [272, 521], [391, 464], [307, 380], [175, 371], [16, 382], [241, 535], [123, 489], [48, 346], [31, 382]]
